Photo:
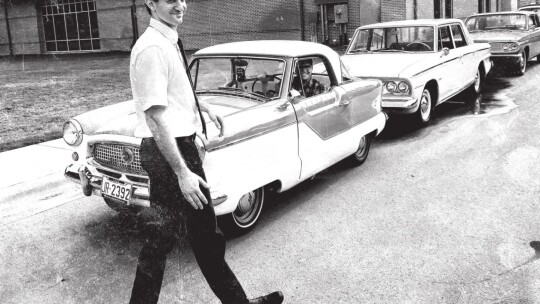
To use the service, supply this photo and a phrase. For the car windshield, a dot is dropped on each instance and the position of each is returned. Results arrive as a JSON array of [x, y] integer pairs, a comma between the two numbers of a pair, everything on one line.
[[497, 22], [246, 77], [394, 39]]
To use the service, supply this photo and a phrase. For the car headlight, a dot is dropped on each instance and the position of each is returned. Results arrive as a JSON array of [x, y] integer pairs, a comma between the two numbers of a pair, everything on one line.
[[403, 87], [510, 47], [73, 133], [391, 86], [397, 87]]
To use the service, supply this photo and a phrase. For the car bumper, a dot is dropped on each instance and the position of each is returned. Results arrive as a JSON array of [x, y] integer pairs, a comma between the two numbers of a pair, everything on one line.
[[505, 59], [90, 180], [400, 106]]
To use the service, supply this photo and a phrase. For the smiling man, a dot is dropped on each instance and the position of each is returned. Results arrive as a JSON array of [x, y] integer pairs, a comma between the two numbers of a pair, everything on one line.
[[167, 117]]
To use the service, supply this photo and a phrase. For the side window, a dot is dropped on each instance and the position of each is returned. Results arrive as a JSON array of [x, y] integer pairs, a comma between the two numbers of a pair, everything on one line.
[[532, 22], [459, 37], [445, 38], [310, 76]]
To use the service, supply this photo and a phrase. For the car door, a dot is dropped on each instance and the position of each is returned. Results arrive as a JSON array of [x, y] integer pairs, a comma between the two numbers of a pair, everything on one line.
[[466, 56], [534, 36], [450, 65], [320, 120]]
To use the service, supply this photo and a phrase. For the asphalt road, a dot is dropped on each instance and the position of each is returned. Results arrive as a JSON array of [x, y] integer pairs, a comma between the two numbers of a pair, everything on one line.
[[442, 214]]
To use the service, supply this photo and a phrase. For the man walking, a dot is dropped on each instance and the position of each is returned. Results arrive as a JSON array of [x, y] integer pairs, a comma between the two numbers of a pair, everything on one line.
[[168, 113]]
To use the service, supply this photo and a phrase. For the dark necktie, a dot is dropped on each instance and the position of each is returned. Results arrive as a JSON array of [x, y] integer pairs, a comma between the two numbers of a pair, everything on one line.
[[192, 87]]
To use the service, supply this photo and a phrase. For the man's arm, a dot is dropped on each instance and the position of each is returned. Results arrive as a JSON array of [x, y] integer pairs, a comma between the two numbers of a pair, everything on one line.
[[217, 119], [188, 181]]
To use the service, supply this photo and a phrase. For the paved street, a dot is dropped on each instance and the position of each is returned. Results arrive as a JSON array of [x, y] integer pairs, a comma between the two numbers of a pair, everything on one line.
[[442, 214]]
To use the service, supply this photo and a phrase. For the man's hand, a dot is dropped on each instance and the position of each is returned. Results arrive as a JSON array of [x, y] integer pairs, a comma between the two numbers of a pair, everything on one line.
[[189, 183]]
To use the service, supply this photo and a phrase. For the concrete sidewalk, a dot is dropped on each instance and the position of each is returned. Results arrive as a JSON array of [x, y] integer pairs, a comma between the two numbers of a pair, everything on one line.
[[32, 162]]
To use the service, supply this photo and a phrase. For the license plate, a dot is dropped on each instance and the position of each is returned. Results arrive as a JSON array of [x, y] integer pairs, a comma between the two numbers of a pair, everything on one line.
[[116, 189]]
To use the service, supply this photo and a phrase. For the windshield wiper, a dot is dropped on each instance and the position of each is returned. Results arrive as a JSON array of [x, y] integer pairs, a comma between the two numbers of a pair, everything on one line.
[[392, 51], [360, 51]]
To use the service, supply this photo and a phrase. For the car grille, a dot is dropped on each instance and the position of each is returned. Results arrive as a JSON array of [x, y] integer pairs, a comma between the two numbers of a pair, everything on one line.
[[123, 158]]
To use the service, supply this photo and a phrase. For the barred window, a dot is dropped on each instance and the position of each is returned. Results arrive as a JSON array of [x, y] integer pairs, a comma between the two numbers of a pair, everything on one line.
[[70, 25]]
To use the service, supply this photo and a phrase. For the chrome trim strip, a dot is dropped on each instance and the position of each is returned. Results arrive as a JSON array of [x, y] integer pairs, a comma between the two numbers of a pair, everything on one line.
[[437, 65]]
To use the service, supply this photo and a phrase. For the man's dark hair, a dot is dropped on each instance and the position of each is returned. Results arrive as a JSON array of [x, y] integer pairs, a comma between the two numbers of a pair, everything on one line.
[[148, 9], [306, 63]]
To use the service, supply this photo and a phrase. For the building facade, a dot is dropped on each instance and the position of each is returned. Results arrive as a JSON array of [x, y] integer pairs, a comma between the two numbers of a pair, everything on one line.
[[67, 26]]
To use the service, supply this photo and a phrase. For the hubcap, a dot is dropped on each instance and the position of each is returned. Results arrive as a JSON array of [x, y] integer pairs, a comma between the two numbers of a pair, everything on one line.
[[425, 106], [361, 147], [248, 208], [522, 62], [477, 82]]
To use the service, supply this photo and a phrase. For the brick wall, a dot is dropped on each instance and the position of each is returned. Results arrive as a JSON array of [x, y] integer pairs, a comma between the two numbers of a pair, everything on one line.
[[115, 25], [393, 10], [22, 19]]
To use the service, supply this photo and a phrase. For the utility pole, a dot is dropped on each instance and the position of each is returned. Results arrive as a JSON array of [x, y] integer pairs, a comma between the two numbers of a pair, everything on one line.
[[134, 22], [10, 41]]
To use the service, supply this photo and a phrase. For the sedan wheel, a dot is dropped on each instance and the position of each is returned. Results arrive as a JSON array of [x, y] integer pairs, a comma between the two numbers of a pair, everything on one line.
[[425, 108], [477, 85], [522, 66], [246, 214], [361, 154]]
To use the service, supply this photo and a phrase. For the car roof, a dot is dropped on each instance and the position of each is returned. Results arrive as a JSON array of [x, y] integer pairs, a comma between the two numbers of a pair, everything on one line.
[[505, 13], [279, 48], [415, 22]]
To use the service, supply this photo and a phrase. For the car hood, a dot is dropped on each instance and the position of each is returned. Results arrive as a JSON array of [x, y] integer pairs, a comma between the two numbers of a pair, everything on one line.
[[121, 119], [385, 65], [497, 36]]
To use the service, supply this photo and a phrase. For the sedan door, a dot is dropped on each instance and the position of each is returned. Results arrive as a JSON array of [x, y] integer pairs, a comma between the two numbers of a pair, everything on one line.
[[450, 66]]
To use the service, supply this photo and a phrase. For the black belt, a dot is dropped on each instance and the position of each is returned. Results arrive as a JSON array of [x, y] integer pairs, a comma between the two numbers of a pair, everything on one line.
[[186, 139]]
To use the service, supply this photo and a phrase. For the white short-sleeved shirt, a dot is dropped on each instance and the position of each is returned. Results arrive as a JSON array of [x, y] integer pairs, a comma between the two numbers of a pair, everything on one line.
[[158, 77]]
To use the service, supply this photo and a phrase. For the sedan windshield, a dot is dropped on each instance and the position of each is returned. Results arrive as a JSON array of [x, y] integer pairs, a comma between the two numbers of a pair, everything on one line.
[[497, 22], [393, 39], [253, 78]]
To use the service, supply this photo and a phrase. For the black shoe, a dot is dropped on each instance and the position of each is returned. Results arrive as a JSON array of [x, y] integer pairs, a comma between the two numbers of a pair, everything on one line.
[[275, 297]]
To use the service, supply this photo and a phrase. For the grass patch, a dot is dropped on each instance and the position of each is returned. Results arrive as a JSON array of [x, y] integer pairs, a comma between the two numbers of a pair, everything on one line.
[[38, 94]]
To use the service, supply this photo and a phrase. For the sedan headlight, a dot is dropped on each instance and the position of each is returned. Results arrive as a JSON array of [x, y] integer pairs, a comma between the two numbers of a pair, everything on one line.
[[403, 87], [397, 87], [73, 133], [510, 47]]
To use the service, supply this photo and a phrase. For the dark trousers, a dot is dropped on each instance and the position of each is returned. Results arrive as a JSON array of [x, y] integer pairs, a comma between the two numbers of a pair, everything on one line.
[[169, 210]]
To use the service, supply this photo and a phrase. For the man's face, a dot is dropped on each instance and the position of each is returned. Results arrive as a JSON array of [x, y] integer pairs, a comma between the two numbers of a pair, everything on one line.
[[170, 12], [305, 71]]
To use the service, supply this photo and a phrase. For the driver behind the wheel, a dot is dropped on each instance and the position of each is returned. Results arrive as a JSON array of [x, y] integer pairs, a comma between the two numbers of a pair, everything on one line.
[[305, 84]]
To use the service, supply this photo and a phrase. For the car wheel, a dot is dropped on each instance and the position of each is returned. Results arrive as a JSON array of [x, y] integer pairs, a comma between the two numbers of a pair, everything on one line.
[[425, 109], [522, 65], [361, 154], [121, 207], [246, 213], [476, 87]]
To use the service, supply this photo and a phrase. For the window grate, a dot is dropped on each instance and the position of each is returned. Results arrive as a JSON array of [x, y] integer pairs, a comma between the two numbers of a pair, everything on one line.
[[70, 25]]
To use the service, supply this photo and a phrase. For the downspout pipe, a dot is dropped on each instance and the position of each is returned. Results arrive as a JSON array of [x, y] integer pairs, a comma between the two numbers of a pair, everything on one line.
[[10, 41], [302, 21], [415, 3]]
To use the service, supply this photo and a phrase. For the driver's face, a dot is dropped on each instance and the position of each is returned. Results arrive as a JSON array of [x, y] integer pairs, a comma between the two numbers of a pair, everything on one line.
[[305, 72]]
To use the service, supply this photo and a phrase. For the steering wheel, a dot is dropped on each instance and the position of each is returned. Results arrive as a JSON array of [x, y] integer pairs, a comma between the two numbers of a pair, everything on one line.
[[269, 77], [422, 45]]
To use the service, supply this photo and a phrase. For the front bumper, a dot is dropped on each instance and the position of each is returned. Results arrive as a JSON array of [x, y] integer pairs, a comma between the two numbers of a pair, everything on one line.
[[400, 106], [90, 179], [505, 59]]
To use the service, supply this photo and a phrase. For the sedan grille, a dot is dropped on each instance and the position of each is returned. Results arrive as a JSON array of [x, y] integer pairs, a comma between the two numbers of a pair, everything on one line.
[[123, 158]]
